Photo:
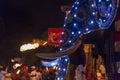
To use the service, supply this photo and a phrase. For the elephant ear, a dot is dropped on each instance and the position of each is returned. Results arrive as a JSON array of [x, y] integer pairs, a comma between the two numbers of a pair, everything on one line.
[[85, 16]]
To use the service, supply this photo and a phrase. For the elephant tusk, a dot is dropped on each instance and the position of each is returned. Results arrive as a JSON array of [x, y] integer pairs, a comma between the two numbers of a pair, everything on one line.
[[59, 54]]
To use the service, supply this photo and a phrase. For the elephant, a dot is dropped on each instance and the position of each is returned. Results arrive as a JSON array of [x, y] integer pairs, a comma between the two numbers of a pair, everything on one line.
[[85, 16]]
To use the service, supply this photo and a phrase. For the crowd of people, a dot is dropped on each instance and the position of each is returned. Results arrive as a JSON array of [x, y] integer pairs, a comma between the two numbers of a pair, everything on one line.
[[35, 73]]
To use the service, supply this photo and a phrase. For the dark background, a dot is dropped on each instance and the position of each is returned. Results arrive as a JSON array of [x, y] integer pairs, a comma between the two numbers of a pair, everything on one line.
[[23, 20]]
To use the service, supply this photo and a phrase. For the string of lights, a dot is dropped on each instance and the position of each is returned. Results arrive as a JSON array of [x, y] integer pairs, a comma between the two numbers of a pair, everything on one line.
[[85, 16]]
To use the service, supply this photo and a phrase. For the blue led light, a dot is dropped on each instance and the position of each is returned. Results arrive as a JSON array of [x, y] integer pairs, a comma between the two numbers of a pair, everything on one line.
[[70, 41], [78, 2], [75, 15], [76, 7], [110, 5], [64, 25], [64, 69], [84, 17], [60, 49], [79, 32], [92, 5], [104, 20], [75, 24], [99, 0], [72, 33], [91, 22], [93, 13], [86, 29], [66, 60], [65, 17]]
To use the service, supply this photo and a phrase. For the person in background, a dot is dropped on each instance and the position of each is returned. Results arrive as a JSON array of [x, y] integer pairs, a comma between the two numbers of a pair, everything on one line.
[[102, 70], [3, 73], [79, 72], [35, 75], [45, 74]]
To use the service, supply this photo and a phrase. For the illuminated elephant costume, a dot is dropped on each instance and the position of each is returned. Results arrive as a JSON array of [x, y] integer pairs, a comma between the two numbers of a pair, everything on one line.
[[84, 16]]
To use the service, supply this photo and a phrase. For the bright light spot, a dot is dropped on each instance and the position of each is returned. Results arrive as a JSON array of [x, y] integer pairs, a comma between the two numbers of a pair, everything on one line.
[[110, 5], [29, 46], [65, 17], [70, 41], [79, 32], [60, 41], [75, 24], [92, 5], [44, 43], [93, 13], [66, 60], [59, 68], [92, 22], [64, 69], [99, 0], [78, 2], [104, 20], [87, 29], [108, 14], [76, 7], [18, 71], [62, 32], [75, 15], [64, 25], [16, 65], [72, 33], [60, 49], [58, 78]]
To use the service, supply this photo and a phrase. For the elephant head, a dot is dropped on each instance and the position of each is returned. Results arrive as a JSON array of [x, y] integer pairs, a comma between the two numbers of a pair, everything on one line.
[[84, 16]]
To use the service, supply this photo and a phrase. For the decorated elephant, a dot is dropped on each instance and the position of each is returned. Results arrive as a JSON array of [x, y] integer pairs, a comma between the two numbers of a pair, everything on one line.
[[84, 17]]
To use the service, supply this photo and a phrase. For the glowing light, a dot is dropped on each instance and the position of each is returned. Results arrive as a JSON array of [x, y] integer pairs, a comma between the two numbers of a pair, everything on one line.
[[92, 5], [70, 41], [64, 25], [79, 32], [75, 24], [104, 20], [60, 49], [18, 71], [29, 46], [78, 2], [65, 17], [72, 33], [64, 69], [99, 0], [110, 5], [76, 7], [75, 15], [86, 29], [50, 63], [66, 59], [62, 32], [93, 13], [92, 22], [61, 41], [44, 43]]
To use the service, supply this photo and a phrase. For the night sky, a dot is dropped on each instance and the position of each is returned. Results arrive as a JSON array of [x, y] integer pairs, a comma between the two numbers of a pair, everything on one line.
[[23, 20]]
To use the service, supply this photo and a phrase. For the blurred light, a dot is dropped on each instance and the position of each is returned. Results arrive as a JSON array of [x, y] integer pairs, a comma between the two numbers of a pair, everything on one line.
[[75, 15], [44, 43], [18, 71], [29, 46], [16, 65]]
